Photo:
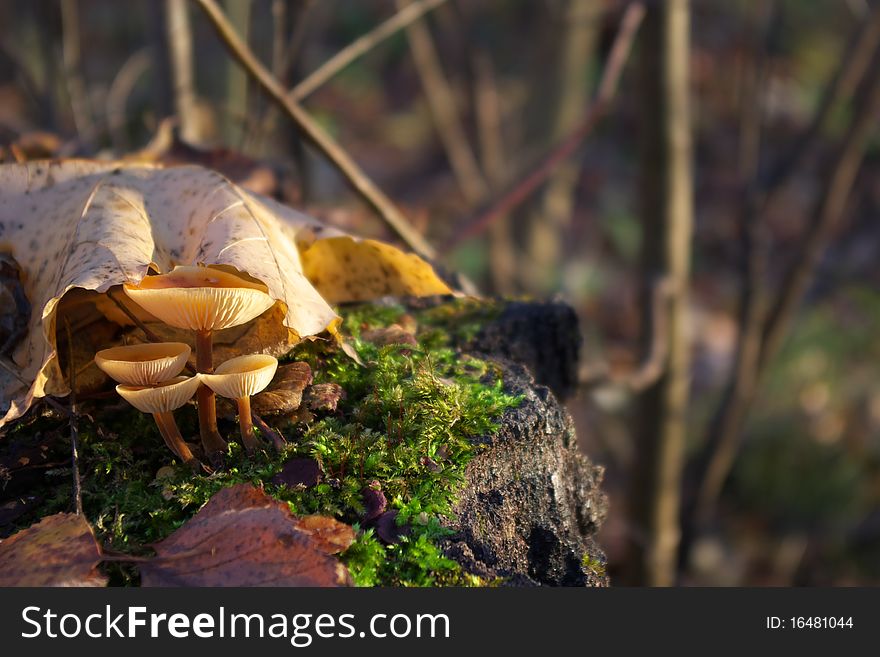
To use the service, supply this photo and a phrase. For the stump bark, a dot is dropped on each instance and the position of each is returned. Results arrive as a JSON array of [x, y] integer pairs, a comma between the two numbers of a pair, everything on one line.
[[532, 502]]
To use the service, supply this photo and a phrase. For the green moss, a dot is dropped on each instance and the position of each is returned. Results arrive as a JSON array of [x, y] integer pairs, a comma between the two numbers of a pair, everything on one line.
[[594, 565], [409, 423]]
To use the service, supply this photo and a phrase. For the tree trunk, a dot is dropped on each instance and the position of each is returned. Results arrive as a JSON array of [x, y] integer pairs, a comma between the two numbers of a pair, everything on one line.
[[667, 216]]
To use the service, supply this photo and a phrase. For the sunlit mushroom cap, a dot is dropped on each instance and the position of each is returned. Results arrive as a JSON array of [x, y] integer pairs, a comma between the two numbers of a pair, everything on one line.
[[161, 398], [143, 364], [200, 298], [242, 376]]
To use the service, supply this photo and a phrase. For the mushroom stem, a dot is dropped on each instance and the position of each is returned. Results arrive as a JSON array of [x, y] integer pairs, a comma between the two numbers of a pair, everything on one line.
[[171, 435], [248, 439], [212, 441]]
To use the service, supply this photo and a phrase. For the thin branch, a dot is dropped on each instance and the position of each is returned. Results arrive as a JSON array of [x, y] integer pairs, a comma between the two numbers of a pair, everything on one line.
[[721, 448], [178, 30], [654, 364], [826, 215], [525, 187], [489, 119], [842, 85], [76, 88], [152, 337], [74, 427], [360, 46], [315, 134], [120, 90], [441, 101]]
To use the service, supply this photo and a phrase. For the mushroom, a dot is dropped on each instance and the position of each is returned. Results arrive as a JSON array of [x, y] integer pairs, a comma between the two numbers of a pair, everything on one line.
[[160, 400], [238, 379], [143, 364], [202, 299]]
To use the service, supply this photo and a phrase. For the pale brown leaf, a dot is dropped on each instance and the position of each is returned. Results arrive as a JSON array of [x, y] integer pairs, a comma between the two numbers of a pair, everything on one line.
[[242, 537], [60, 550], [330, 535], [284, 394]]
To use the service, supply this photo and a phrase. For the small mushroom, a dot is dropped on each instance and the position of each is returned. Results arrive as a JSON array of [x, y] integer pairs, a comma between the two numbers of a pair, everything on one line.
[[238, 379], [202, 299], [160, 400], [143, 364]]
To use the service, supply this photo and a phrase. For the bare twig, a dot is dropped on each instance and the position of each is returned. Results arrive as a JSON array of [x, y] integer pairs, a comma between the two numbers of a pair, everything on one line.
[[284, 58], [76, 88], [444, 111], [654, 364], [767, 322], [74, 427], [525, 187], [841, 87], [360, 46], [547, 222], [152, 337], [119, 92], [487, 102], [237, 120], [180, 58], [753, 296], [315, 134]]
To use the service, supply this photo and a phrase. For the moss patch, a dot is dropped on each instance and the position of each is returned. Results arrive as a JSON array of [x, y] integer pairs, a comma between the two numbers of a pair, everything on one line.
[[409, 424]]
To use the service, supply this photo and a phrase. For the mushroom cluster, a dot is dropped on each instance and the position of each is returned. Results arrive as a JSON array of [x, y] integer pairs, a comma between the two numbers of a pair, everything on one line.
[[203, 300]]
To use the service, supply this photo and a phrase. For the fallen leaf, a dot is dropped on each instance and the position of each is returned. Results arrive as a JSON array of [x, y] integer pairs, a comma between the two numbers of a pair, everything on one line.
[[94, 225], [344, 270], [60, 550], [242, 537], [323, 396], [284, 394], [299, 472], [394, 334], [330, 535]]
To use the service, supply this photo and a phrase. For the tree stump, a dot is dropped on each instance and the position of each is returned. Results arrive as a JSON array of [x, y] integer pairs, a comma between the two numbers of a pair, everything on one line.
[[532, 503]]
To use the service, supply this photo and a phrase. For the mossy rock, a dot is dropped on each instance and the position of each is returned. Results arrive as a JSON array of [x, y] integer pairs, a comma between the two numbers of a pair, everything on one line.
[[477, 463]]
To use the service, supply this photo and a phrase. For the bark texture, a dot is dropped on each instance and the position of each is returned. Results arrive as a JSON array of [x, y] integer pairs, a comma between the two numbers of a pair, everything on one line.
[[532, 503]]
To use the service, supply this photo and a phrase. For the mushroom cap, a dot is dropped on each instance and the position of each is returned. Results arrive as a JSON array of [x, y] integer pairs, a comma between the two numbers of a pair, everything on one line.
[[143, 364], [163, 397], [242, 376], [200, 298]]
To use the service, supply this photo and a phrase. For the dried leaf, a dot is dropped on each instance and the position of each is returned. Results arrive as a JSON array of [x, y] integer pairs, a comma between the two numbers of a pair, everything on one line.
[[329, 534], [60, 550], [323, 396], [394, 334], [344, 270], [299, 472], [242, 537], [93, 225], [284, 394]]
